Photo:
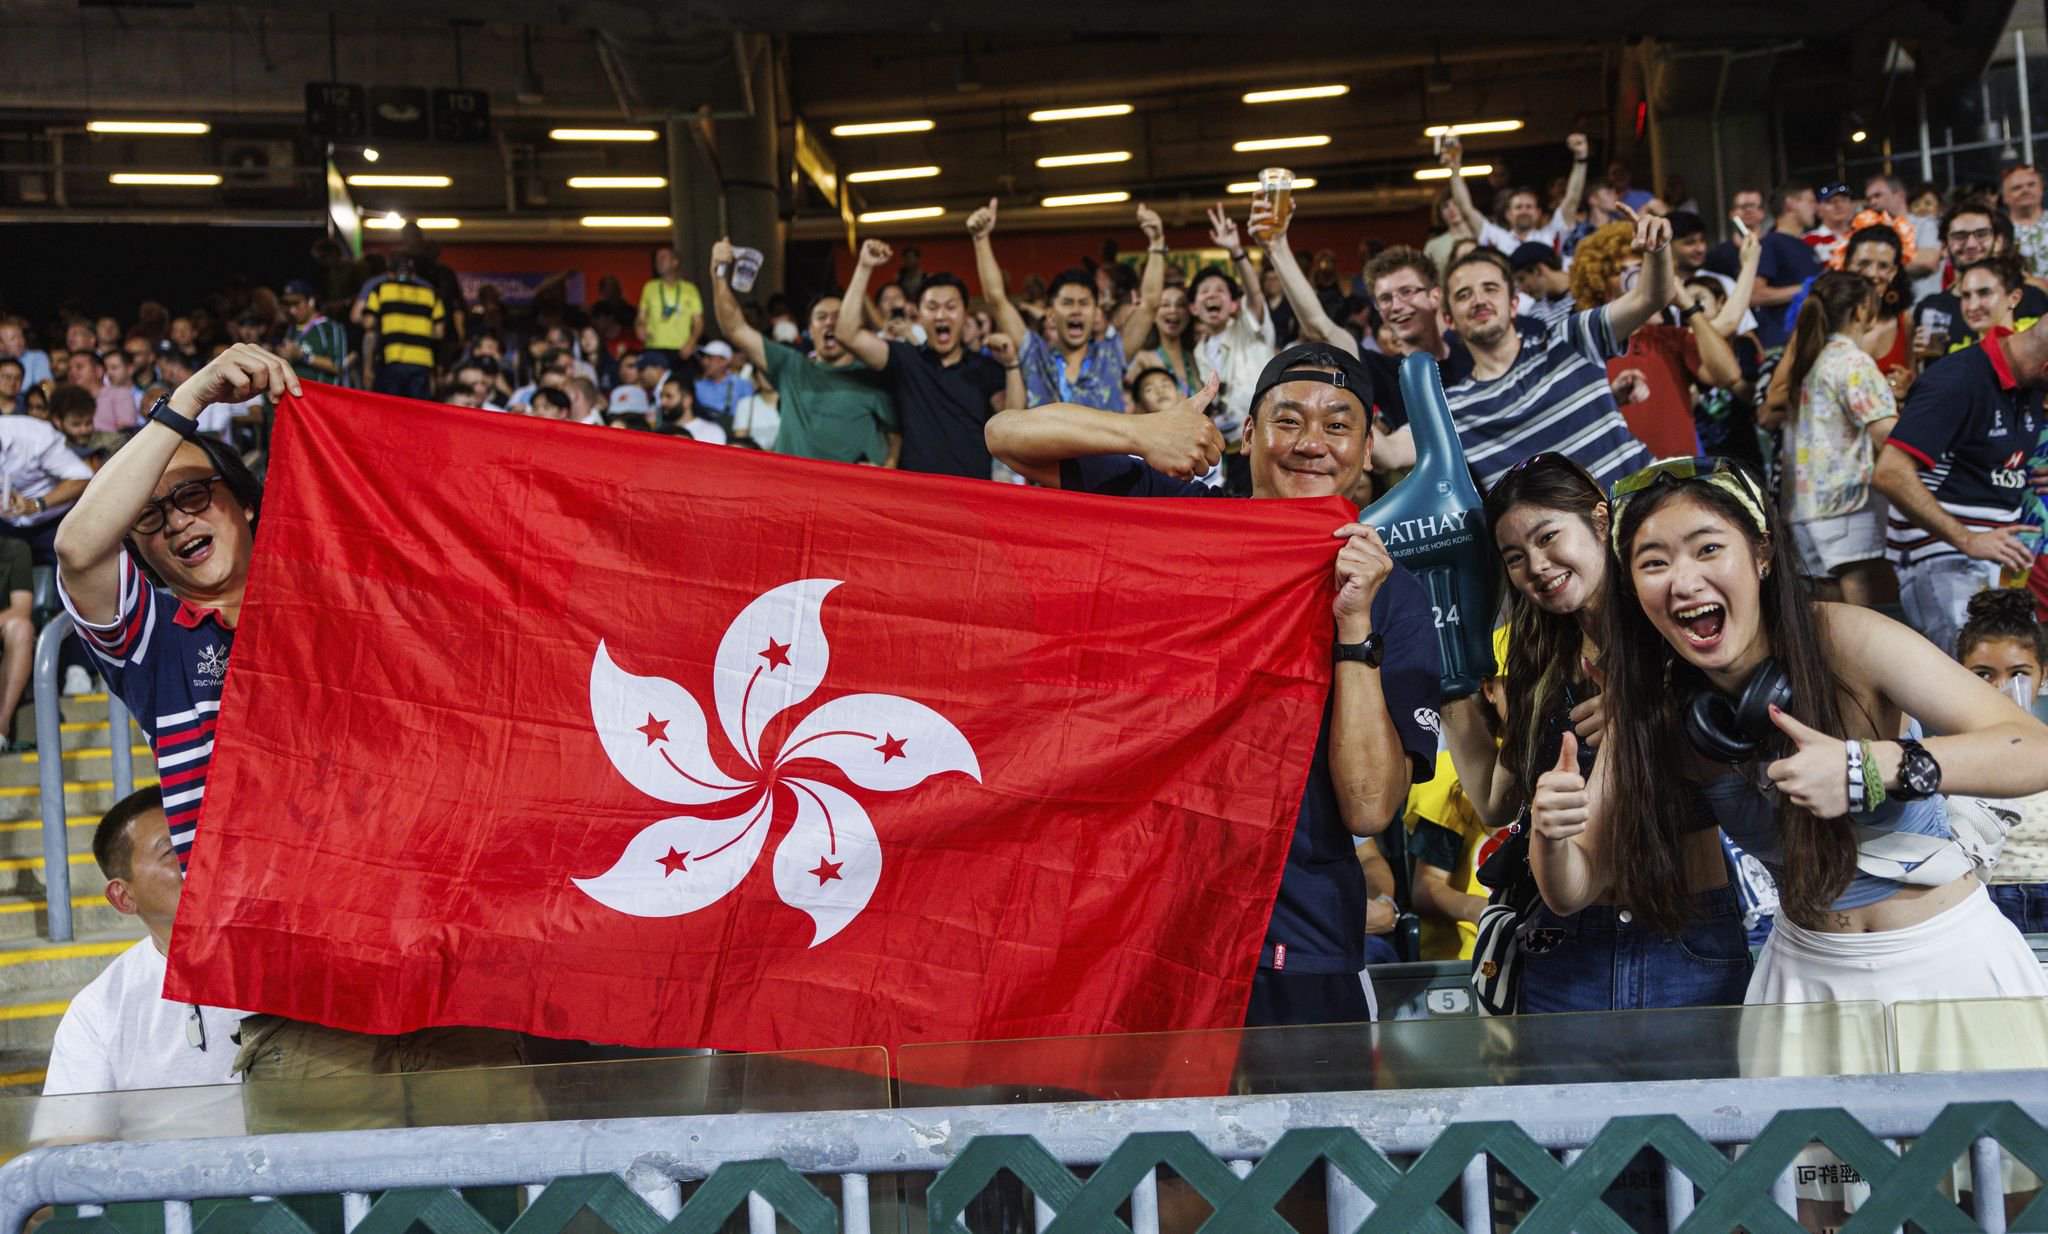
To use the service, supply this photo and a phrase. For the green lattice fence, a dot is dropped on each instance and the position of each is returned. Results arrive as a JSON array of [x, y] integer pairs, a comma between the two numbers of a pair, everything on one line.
[[1906, 1188]]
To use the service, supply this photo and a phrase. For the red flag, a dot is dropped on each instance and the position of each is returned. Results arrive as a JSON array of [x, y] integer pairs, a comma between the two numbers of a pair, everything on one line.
[[601, 735]]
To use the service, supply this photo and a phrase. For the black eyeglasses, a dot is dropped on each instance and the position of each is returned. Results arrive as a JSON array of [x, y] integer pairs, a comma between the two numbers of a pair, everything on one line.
[[191, 497]]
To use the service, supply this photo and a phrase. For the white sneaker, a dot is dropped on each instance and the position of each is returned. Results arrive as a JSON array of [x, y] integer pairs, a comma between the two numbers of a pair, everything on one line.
[[77, 681]]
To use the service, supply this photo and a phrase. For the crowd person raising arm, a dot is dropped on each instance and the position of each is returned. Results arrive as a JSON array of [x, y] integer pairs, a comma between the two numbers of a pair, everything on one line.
[[832, 406], [1525, 221], [1078, 365], [1236, 328], [944, 393]]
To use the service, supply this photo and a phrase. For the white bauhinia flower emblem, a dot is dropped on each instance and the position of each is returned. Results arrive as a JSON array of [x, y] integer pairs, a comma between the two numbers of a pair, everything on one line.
[[772, 657]]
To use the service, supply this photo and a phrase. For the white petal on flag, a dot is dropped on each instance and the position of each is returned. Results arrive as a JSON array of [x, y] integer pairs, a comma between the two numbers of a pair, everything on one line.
[[655, 734], [830, 861], [680, 865], [772, 657], [881, 741]]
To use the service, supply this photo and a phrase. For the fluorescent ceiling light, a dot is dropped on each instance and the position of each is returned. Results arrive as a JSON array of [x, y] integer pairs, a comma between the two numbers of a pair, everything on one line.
[[881, 128], [1080, 113], [366, 181], [1281, 143], [627, 220], [1085, 199], [1477, 126], [1444, 173], [890, 173], [1085, 160], [432, 224], [383, 222], [899, 216], [167, 128], [1252, 186], [1296, 92], [193, 179], [618, 182], [603, 134]]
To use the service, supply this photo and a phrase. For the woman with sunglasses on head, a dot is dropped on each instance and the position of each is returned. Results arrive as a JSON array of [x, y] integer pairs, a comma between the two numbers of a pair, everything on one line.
[[1549, 520], [152, 563], [1797, 722]]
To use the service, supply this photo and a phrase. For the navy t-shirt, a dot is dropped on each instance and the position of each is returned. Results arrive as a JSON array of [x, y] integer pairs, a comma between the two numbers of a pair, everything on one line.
[[1318, 923], [1969, 426], [944, 410], [1787, 262]]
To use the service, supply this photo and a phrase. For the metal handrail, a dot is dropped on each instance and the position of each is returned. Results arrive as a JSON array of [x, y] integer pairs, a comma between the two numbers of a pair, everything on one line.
[[50, 769]]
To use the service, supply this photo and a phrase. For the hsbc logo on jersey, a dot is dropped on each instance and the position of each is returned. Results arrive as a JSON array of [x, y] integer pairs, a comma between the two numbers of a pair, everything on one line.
[[2013, 474]]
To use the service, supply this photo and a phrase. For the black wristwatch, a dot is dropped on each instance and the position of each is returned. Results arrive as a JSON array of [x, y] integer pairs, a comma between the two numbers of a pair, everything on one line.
[[183, 426], [1919, 774], [1690, 309], [1367, 653]]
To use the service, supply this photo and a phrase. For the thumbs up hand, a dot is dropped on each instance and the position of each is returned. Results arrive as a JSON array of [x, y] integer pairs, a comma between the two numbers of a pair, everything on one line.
[[1815, 775], [1559, 807]]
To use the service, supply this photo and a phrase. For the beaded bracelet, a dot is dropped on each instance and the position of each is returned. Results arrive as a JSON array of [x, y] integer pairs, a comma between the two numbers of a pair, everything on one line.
[[1873, 778], [1857, 784]]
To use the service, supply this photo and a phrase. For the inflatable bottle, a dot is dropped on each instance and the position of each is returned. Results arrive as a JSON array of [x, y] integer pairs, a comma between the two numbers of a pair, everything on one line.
[[1434, 526]]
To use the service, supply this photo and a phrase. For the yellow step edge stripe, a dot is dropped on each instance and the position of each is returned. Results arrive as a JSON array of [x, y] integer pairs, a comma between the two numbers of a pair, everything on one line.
[[34, 1011], [36, 863], [18, 1079], [67, 951], [138, 749], [37, 906], [36, 824], [72, 786]]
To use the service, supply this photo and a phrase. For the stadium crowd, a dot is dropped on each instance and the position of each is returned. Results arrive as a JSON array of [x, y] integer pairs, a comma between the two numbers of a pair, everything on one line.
[[1709, 470]]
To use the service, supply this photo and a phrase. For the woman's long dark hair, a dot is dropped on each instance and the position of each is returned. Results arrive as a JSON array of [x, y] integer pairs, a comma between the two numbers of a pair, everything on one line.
[[1543, 647], [235, 476], [1831, 304], [1648, 686]]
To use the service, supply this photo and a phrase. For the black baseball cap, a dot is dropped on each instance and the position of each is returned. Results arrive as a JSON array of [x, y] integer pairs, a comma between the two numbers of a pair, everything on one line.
[[1301, 362], [300, 288], [1836, 189], [1532, 254]]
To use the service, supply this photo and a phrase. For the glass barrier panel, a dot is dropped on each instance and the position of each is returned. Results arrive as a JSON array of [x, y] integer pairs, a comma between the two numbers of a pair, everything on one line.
[[850, 1079], [1581, 1048], [1985, 1034]]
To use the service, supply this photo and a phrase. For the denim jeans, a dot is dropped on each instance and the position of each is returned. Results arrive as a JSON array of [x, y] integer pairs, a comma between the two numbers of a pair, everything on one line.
[[1603, 961], [1936, 595], [2024, 904]]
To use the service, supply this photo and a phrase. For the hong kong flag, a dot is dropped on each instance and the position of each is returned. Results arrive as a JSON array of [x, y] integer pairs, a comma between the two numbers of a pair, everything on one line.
[[626, 738]]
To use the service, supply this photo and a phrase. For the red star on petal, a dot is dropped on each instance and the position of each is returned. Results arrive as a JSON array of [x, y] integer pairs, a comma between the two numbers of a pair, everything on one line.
[[891, 747], [673, 862], [777, 655], [827, 870], [655, 730]]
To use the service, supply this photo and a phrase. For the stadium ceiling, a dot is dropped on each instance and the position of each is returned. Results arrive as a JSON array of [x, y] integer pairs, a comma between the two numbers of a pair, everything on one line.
[[976, 71]]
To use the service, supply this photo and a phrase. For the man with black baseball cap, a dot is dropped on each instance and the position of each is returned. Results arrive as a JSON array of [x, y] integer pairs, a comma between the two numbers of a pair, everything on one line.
[[316, 347], [1309, 434], [1539, 275]]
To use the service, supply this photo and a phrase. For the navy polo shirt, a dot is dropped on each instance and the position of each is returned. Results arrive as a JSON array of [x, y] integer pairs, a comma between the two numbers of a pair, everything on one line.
[[1318, 923], [168, 662]]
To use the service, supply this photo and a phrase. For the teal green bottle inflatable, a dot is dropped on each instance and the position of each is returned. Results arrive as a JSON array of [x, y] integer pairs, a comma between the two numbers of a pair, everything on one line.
[[1433, 524]]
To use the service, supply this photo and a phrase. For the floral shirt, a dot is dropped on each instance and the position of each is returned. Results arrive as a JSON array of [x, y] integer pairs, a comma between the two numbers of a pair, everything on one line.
[[1843, 395]]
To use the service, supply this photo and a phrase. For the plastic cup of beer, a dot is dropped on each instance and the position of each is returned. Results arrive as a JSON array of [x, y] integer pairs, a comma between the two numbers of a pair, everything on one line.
[[746, 267], [1276, 185]]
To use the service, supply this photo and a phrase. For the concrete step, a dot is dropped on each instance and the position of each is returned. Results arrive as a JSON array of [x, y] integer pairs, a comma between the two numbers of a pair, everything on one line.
[[26, 919], [23, 837], [81, 797], [86, 763]]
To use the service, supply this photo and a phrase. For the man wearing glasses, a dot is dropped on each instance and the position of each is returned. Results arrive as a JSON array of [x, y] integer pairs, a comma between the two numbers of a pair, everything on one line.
[[1970, 233], [316, 346]]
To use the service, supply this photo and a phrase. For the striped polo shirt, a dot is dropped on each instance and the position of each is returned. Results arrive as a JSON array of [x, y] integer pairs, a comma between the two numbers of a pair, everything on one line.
[[1969, 426], [168, 662], [1554, 397], [404, 313]]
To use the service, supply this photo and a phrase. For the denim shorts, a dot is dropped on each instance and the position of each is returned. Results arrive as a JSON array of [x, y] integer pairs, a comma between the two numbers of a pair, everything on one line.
[[2024, 904], [1599, 959]]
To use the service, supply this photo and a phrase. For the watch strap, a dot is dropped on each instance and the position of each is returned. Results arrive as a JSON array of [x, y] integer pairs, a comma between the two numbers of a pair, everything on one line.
[[183, 426], [1916, 764], [1366, 652]]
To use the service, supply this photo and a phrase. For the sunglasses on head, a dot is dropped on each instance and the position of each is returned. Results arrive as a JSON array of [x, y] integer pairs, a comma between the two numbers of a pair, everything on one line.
[[1722, 473]]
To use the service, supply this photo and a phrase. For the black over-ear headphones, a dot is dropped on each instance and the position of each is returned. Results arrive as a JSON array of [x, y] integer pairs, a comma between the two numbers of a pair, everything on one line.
[[1730, 730]]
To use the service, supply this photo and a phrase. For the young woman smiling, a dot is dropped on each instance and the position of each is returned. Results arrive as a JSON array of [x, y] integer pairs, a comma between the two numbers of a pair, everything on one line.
[[1830, 786], [1549, 519]]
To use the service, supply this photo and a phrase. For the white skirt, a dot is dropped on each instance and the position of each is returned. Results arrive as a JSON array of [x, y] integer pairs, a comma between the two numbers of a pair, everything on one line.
[[1838, 987]]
